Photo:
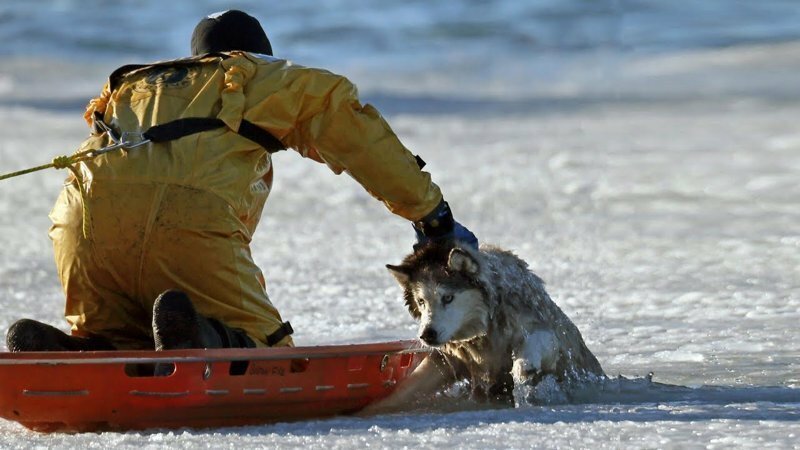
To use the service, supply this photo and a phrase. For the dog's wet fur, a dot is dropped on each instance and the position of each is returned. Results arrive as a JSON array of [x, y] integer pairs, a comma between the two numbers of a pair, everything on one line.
[[491, 321]]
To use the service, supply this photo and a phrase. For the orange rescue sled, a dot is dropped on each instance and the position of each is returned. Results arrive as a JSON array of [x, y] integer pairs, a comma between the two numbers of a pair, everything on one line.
[[90, 391]]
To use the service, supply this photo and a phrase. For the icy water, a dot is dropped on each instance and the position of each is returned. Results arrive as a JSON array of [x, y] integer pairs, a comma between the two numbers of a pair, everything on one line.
[[642, 156]]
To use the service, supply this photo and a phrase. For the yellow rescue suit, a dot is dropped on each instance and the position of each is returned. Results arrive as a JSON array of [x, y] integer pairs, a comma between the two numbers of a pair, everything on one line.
[[181, 214]]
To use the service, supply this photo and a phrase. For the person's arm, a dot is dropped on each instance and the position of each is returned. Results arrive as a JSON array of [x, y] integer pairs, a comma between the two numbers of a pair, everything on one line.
[[319, 114], [323, 119]]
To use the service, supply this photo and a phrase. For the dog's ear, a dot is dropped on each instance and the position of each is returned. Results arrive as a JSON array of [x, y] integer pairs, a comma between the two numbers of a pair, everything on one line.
[[401, 273], [461, 261]]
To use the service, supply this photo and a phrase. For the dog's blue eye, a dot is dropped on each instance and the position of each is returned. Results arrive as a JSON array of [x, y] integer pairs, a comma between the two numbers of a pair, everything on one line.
[[447, 299]]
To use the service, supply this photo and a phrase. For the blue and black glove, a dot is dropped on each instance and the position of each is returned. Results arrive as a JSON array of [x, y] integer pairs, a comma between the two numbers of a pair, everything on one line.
[[439, 226]]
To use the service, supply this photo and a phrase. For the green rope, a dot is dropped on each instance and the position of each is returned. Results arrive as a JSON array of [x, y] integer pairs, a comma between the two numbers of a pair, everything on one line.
[[65, 162]]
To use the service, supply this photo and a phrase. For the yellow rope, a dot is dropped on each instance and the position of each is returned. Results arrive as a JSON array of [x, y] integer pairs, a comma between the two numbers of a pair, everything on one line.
[[65, 162]]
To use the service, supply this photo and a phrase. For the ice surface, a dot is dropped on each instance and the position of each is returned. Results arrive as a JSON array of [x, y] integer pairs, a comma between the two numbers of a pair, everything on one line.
[[658, 198]]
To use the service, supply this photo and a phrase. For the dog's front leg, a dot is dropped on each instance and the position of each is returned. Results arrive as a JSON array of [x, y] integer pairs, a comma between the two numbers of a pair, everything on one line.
[[534, 370], [427, 379], [536, 356]]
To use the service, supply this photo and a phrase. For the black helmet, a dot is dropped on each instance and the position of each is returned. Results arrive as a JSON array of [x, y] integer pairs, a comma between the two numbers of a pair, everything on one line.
[[229, 30]]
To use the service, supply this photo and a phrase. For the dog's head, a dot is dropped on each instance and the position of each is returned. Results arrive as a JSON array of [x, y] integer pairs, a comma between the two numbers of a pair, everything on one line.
[[442, 290]]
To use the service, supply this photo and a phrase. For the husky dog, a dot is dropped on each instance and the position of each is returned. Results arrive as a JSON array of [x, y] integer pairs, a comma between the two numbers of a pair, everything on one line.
[[492, 323]]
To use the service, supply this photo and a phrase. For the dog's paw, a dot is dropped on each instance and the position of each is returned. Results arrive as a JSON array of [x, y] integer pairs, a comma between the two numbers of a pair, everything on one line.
[[526, 372], [545, 390]]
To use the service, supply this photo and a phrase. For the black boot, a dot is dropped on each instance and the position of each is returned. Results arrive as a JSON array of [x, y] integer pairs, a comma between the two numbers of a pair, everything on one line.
[[28, 335], [177, 325]]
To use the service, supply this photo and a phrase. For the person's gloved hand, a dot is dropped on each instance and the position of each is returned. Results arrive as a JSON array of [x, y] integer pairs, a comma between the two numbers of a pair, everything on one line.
[[439, 226]]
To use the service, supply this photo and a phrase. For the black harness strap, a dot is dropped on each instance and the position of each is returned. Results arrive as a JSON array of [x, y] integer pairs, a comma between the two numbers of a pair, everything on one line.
[[420, 162], [284, 330], [261, 137], [179, 128]]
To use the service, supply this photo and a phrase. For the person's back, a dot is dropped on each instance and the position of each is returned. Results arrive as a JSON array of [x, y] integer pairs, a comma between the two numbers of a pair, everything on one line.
[[171, 215], [219, 161]]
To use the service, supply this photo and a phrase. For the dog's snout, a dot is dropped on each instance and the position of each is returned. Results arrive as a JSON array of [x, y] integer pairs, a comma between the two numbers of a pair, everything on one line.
[[429, 336]]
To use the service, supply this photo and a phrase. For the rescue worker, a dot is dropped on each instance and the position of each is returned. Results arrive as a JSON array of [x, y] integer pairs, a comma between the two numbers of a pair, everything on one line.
[[152, 239]]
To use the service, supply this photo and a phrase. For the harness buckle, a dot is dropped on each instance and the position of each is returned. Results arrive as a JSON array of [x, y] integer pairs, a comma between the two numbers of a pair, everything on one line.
[[133, 139], [103, 127], [128, 140]]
